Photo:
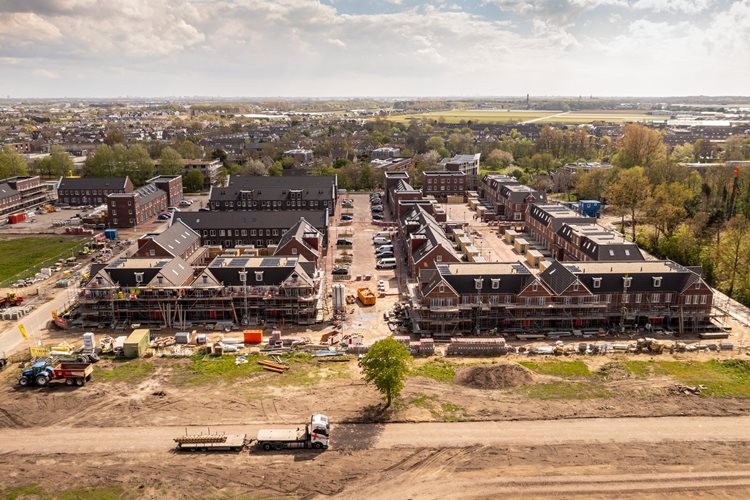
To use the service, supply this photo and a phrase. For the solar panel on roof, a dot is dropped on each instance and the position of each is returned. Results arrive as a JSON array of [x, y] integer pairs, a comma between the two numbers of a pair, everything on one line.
[[270, 262], [237, 262]]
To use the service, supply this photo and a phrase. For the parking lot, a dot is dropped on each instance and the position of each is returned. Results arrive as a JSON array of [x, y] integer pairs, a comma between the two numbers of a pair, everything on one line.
[[360, 259]]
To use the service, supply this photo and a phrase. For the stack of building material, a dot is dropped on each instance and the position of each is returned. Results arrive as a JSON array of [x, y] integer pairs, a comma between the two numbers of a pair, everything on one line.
[[466, 346], [273, 367]]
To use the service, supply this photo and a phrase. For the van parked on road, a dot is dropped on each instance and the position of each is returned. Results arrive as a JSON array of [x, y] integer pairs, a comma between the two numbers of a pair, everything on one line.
[[386, 263], [381, 241]]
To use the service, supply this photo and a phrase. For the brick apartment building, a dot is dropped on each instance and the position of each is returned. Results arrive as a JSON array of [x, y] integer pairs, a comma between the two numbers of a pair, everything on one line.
[[490, 188], [170, 184], [209, 168], [269, 193], [509, 298], [178, 240], [231, 229], [516, 198], [76, 191], [444, 184], [21, 193], [137, 207], [543, 221], [586, 242]]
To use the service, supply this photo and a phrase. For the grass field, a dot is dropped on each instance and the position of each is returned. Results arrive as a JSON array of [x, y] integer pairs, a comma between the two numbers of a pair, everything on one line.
[[478, 115], [519, 116], [21, 254]]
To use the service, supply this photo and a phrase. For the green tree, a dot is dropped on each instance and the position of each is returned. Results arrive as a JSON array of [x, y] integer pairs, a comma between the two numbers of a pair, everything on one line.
[[684, 153], [254, 167], [114, 136], [101, 163], [629, 190], [189, 150], [386, 366], [170, 162], [666, 208], [276, 169], [12, 163], [499, 159], [57, 164], [641, 146], [435, 143], [591, 185], [732, 256], [193, 181]]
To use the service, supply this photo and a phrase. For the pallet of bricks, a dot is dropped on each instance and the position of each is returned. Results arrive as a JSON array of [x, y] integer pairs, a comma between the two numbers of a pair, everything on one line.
[[468, 346]]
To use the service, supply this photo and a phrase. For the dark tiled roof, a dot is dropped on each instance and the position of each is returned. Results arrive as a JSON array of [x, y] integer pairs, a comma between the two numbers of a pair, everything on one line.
[[7, 192], [556, 215], [177, 238], [276, 270], [270, 188], [462, 277], [105, 183], [252, 220], [298, 232]]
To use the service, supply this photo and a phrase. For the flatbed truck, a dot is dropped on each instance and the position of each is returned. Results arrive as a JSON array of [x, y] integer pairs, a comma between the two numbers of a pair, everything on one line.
[[314, 435]]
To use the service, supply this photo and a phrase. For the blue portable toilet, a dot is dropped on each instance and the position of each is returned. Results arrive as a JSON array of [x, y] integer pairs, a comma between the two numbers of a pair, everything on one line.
[[590, 208], [110, 234]]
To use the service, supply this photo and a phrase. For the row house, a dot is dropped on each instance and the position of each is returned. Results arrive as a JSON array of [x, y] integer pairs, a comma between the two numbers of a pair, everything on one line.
[[490, 187], [425, 243], [586, 242], [516, 198], [261, 229], [76, 191], [229, 290], [265, 193], [21, 193], [302, 239], [170, 184], [398, 191], [544, 221], [178, 240], [125, 210], [509, 298], [444, 184]]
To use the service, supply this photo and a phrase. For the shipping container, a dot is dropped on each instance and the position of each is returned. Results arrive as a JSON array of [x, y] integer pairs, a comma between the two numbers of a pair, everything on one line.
[[252, 336], [137, 343], [16, 218]]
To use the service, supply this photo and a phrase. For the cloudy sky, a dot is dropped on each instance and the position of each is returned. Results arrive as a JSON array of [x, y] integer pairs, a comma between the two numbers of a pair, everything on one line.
[[101, 48]]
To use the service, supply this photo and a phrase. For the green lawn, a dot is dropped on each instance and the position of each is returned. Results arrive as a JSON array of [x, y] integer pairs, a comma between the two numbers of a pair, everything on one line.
[[22, 254], [557, 368], [440, 370], [724, 379], [132, 371]]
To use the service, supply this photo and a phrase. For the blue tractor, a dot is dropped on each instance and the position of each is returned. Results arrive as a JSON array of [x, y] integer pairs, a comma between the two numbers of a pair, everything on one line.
[[40, 374]]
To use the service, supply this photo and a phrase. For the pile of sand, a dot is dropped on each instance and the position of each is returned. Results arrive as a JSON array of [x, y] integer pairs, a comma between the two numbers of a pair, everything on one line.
[[494, 376]]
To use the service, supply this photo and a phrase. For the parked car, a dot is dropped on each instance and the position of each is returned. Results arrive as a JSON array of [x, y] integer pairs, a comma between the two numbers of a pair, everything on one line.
[[381, 241], [185, 203], [382, 234], [343, 242], [347, 205], [377, 209], [384, 254], [340, 270], [377, 216], [204, 209], [164, 216], [386, 263], [347, 218], [384, 248]]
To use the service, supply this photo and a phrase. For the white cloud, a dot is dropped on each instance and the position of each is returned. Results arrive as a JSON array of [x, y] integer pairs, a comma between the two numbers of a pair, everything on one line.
[[303, 47], [684, 6]]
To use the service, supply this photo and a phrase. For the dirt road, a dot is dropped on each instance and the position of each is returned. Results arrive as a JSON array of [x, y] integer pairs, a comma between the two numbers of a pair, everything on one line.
[[46, 440]]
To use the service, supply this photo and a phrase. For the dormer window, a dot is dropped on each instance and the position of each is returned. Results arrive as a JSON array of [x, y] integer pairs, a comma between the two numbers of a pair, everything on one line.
[[160, 279], [575, 286], [258, 275], [597, 282], [495, 283], [441, 288], [657, 281], [627, 281], [478, 283], [99, 280], [534, 287], [205, 279]]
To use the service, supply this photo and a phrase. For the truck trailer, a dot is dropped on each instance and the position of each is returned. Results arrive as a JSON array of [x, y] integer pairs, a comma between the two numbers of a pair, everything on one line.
[[211, 442], [314, 435], [43, 372]]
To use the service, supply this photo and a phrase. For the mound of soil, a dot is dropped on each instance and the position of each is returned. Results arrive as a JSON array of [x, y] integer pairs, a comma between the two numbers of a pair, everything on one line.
[[494, 376]]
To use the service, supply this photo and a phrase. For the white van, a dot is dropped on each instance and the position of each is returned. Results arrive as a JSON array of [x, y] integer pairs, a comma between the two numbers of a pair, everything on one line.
[[382, 234], [387, 263], [381, 241]]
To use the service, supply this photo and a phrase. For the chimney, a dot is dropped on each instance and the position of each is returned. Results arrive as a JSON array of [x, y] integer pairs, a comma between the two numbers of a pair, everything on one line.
[[312, 240]]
